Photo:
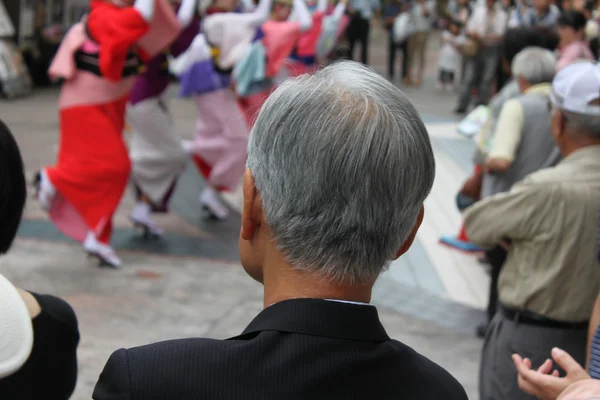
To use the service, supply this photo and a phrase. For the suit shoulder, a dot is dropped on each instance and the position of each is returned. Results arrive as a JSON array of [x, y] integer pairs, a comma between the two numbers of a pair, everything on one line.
[[434, 381], [175, 348]]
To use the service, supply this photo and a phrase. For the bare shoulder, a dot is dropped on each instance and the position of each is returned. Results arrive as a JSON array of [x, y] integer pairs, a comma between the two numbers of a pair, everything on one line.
[[33, 307]]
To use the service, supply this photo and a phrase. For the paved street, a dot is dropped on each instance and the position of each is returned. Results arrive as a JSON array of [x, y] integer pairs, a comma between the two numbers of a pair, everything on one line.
[[190, 282]]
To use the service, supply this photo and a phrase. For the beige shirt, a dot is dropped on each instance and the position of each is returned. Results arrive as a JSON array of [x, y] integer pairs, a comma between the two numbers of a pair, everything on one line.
[[509, 127], [551, 218], [485, 22]]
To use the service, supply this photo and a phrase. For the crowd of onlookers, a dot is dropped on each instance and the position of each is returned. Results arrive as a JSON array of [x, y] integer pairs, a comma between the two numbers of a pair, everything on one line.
[[339, 165]]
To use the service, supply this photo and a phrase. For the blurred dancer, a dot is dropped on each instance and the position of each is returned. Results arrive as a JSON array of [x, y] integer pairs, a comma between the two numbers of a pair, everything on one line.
[[99, 59], [219, 145], [278, 37], [304, 56], [156, 154]]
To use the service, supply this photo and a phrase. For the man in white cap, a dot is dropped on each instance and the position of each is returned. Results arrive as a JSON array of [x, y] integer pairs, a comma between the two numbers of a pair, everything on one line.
[[551, 278]]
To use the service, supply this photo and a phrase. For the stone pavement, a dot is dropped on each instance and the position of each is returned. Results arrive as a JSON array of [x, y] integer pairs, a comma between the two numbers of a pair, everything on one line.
[[190, 283]]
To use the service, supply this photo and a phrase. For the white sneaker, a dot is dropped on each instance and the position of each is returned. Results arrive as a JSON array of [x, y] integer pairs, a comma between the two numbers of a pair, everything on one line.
[[46, 191], [141, 216], [211, 202], [103, 252]]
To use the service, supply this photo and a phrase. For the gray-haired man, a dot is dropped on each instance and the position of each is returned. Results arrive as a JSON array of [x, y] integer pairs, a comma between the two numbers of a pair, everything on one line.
[[339, 164], [549, 283]]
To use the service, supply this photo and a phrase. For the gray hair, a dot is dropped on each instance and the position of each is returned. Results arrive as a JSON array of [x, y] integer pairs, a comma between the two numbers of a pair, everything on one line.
[[343, 163], [582, 124], [535, 65]]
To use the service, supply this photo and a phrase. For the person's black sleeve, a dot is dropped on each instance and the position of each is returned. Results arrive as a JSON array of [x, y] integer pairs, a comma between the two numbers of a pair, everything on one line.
[[114, 382]]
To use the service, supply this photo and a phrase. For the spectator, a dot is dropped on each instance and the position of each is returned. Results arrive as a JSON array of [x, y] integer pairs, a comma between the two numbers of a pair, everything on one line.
[[543, 13], [571, 25], [460, 11], [545, 383], [509, 158], [390, 13], [46, 368], [522, 141], [449, 56], [517, 15], [485, 27], [361, 13], [550, 280], [549, 385], [515, 40], [423, 15], [317, 234]]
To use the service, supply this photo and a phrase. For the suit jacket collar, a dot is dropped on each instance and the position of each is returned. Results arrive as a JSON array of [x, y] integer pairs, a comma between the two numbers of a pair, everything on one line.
[[321, 318]]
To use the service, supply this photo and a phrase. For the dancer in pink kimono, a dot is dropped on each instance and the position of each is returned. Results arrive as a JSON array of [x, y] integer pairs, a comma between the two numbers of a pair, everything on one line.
[[304, 54], [155, 149], [98, 59], [313, 44], [279, 36], [221, 137]]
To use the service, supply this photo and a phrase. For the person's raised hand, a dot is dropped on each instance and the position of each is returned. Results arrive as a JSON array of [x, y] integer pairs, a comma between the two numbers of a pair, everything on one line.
[[543, 383]]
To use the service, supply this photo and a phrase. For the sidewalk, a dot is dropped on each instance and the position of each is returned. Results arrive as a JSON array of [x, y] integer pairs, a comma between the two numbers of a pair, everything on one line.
[[191, 284]]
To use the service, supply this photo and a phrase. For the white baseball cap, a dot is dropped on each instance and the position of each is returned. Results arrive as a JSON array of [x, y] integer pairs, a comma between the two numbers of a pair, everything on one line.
[[576, 86], [16, 330]]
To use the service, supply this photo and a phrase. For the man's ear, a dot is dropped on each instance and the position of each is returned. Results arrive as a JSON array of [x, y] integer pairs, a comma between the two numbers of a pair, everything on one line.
[[558, 128], [411, 238], [248, 217]]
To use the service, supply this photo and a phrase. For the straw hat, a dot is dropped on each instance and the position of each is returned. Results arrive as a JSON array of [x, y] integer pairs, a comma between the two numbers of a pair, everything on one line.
[[16, 331]]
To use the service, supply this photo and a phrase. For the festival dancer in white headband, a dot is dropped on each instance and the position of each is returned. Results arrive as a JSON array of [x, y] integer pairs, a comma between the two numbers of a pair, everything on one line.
[[156, 154], [221, 137], [98, 59], [255, 79]]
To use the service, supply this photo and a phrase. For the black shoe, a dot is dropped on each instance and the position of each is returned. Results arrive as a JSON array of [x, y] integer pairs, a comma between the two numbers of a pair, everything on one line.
[[481, 330], [460, 110]]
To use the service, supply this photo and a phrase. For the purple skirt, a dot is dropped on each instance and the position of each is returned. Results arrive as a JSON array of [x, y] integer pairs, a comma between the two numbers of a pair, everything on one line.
[[201, 78]]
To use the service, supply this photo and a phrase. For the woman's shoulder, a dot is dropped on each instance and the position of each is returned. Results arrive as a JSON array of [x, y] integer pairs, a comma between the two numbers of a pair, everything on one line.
[[57, 310]]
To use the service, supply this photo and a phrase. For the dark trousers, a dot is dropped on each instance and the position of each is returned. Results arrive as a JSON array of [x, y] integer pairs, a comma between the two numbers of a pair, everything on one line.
[[393, 49], [358, 31], [497, 372], [501, 76], [480, 70], [446, 76], [496, 257]]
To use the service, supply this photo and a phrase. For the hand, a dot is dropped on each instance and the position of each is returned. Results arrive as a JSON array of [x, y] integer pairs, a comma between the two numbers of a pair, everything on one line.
[[472, 187], [496, 165], [542, 383], [585, 389]]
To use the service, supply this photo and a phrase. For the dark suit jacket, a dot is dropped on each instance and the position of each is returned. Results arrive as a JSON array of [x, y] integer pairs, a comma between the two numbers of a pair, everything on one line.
[[303, 349]]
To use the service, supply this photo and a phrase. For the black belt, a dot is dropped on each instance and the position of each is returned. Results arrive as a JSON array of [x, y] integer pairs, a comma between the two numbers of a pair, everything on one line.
[[531, 318]]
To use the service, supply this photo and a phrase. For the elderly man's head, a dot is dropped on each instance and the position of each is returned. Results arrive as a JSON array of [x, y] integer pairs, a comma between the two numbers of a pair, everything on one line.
[[532, 66], [575, 101], [339, 164]]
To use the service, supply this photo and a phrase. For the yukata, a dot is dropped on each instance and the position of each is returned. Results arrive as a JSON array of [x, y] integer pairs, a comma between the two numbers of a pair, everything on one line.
[[278, 40], [155, 149], [98, 60], [221, 136]]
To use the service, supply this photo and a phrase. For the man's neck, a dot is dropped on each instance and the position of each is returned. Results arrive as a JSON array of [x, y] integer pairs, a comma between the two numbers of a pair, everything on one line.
[[579, 145], [283, 282]]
